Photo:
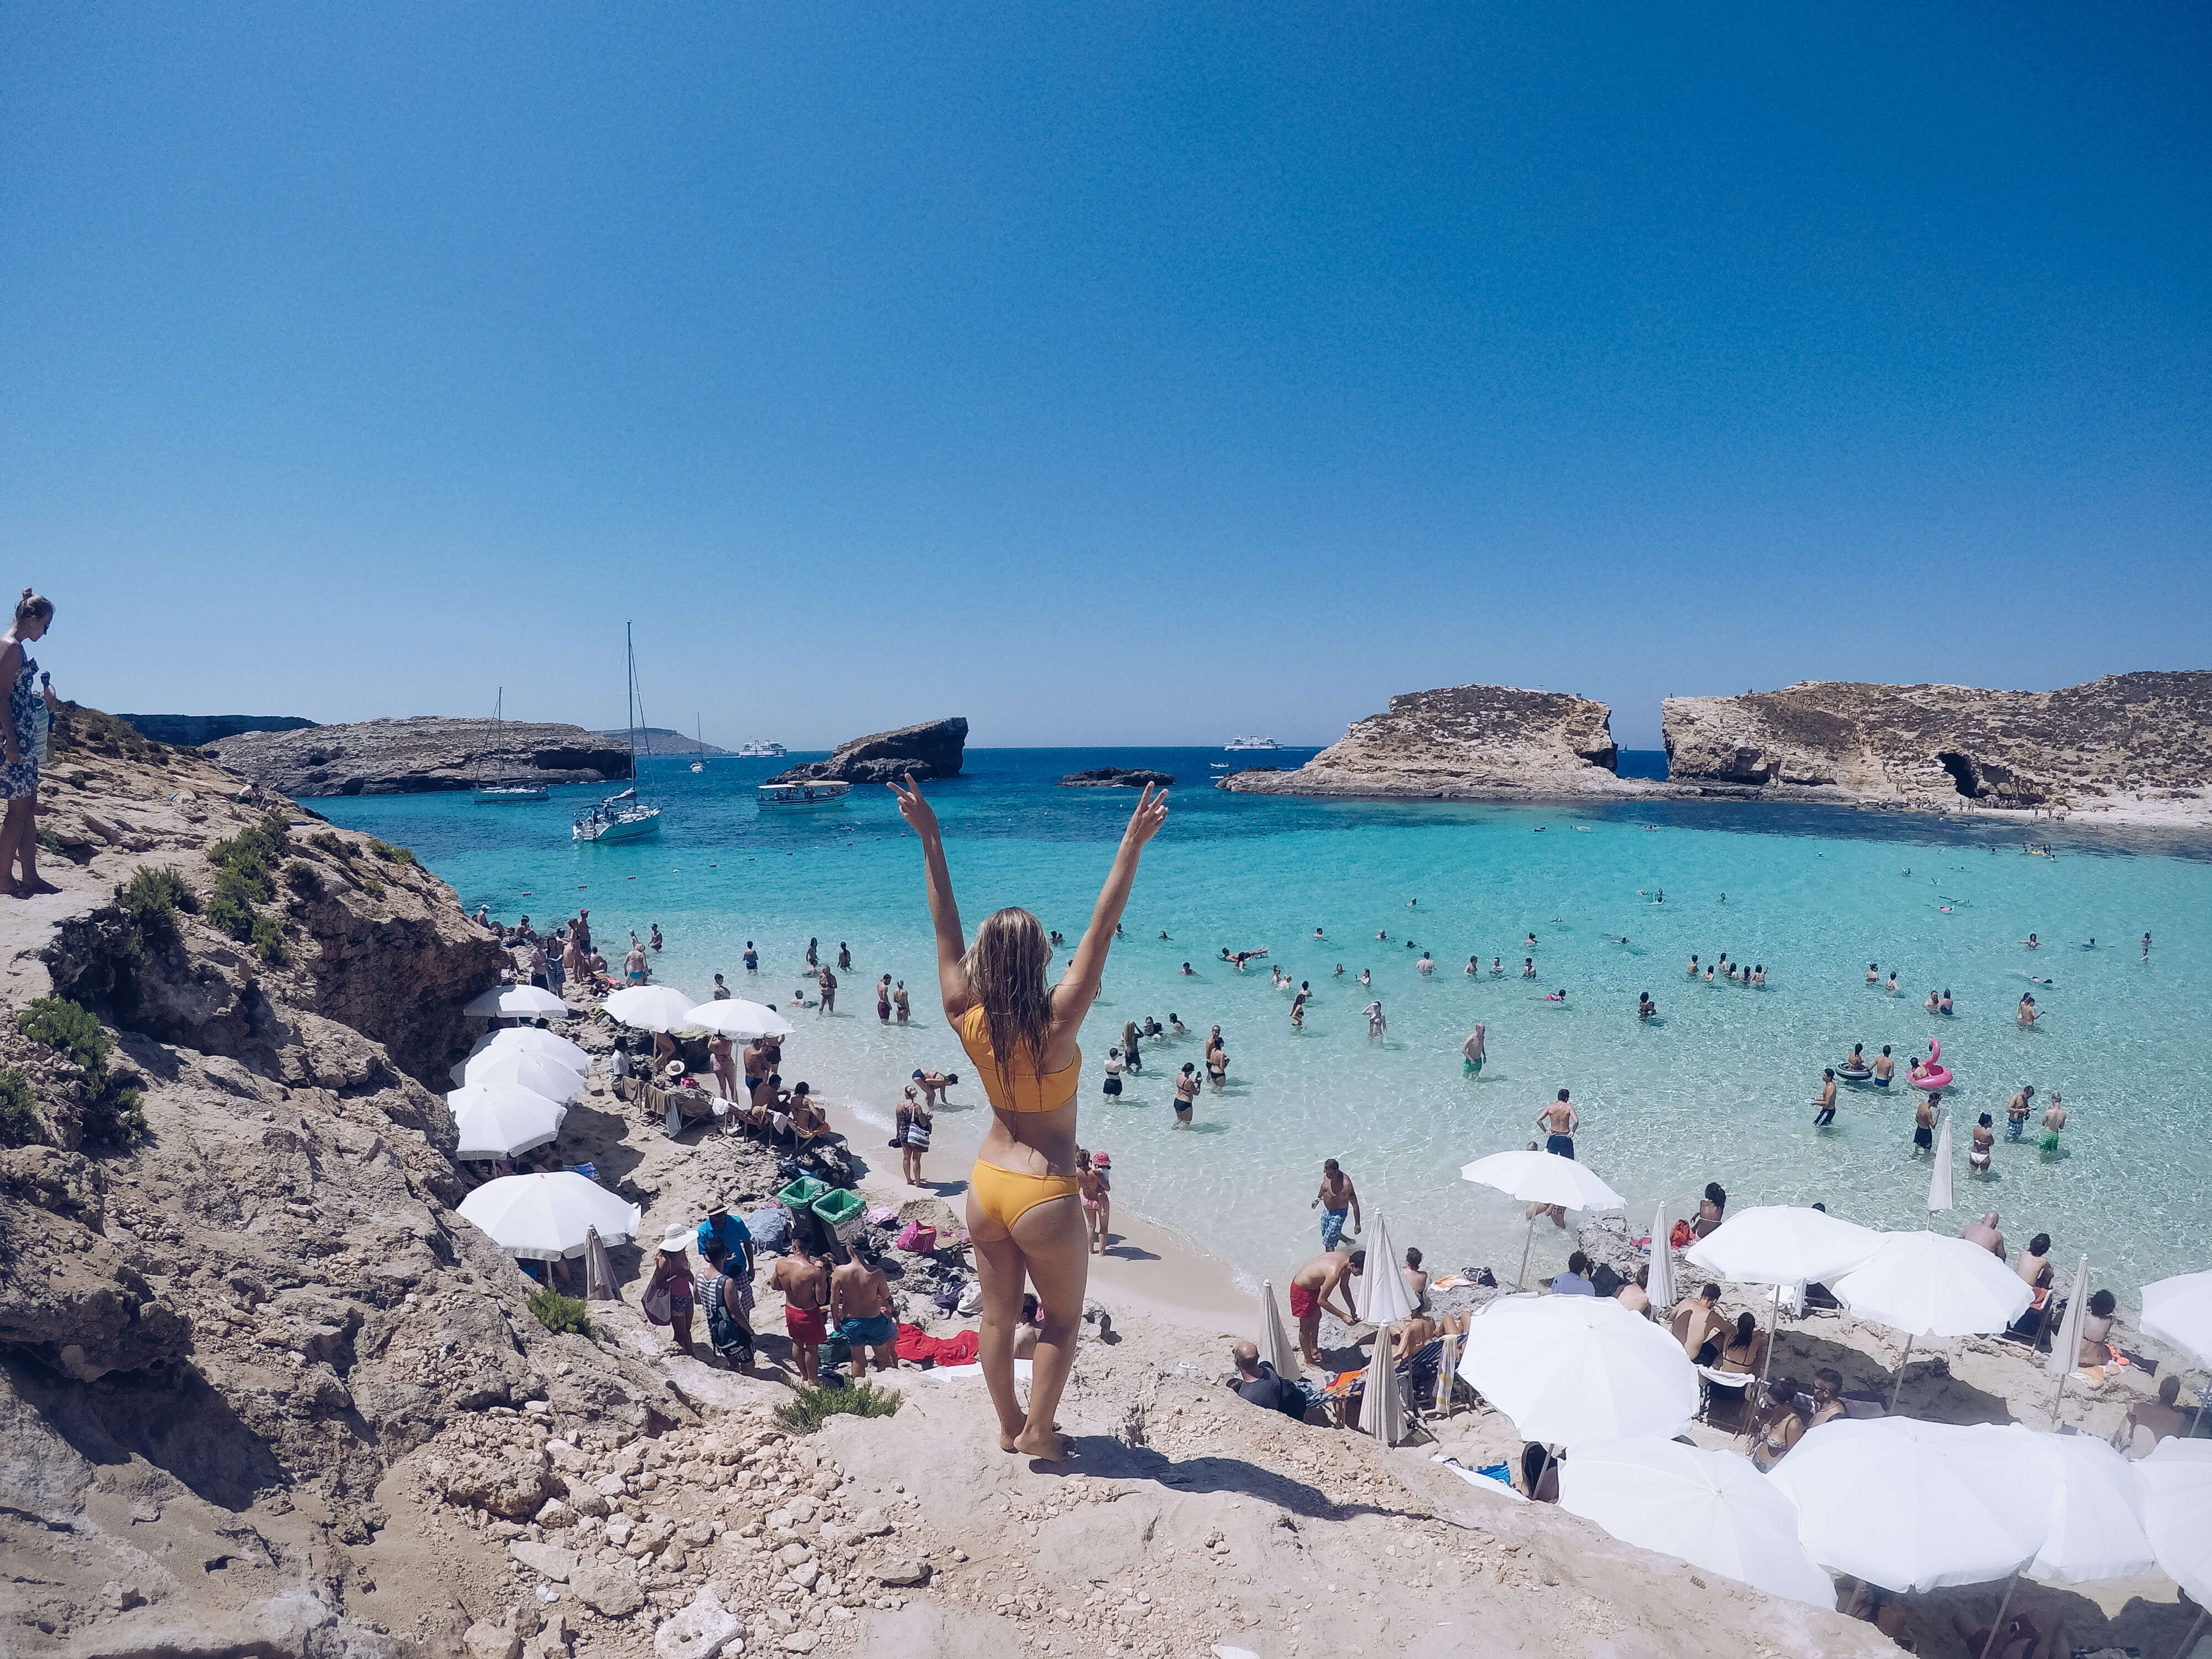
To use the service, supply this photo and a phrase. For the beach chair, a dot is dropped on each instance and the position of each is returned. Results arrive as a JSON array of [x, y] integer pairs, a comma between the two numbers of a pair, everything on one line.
[[1734, 1387], [1418, 1375]]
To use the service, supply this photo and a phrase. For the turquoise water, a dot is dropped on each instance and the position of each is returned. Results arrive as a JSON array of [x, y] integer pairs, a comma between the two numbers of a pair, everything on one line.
[[1714, 1089]]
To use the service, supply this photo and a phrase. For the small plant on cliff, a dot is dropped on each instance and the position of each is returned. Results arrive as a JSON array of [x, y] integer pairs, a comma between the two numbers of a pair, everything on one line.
[[269, 941], [113, 1104], [391, 854], [18, 1116], [558, 1312], [303, 878], [233, 917], [151, 900], [329, 843], [810, 1408]]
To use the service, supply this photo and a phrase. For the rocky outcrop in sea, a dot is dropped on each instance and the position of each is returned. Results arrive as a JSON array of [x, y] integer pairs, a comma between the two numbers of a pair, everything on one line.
[[933, 748], [1461, 743], [1116, 777], [2137, 743], [419, 755]]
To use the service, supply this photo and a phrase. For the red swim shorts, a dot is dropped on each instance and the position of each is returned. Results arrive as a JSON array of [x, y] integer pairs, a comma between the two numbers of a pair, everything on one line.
[[809, 1327], [1303, 1302]]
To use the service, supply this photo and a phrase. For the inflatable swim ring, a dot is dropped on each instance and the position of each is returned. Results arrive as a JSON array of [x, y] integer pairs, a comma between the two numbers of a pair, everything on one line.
[[1859, 1075], [1935, 1074]]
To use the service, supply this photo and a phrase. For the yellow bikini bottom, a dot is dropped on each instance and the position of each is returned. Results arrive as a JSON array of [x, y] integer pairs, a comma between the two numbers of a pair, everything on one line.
[[1006, 1196]]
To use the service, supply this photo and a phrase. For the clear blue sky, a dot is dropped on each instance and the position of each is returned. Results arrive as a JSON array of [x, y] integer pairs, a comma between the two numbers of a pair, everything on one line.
[[1103, 374]]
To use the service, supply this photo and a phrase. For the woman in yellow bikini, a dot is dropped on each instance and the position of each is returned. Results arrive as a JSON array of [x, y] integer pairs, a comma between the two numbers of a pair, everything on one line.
[[1024, 1214]]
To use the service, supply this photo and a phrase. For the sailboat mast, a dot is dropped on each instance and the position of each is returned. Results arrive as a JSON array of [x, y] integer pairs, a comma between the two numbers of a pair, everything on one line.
[[629, 704]]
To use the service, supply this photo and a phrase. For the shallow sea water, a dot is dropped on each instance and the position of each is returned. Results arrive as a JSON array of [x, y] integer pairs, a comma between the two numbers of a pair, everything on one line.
[[1715, 1089]]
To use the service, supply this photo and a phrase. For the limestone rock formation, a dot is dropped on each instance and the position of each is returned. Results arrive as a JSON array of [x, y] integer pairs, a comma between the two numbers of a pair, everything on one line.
[[424, 753], [934, 749], [198, 730], [1116, 777], [2126, 740], [1461, 742]]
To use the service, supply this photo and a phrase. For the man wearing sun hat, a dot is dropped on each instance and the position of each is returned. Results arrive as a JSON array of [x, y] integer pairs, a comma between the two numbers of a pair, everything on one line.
[[736, 1236]]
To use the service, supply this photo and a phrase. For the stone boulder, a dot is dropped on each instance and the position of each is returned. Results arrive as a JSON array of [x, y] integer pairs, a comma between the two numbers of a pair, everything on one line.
[[697, 1630], [934, 749], [1116, 777]]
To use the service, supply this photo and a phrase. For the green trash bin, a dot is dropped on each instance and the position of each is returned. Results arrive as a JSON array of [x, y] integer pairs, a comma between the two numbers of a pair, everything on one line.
[[802, 1193], [841, 1210]]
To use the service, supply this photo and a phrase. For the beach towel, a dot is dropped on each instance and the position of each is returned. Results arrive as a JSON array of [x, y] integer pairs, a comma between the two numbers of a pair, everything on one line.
[[918, 1347]]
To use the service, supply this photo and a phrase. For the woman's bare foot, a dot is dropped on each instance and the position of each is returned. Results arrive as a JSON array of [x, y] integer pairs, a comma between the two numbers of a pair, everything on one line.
[[1046, 1444]]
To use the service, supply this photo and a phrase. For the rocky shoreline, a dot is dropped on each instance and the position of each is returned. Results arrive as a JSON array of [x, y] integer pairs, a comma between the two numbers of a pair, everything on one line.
[[421, 755]]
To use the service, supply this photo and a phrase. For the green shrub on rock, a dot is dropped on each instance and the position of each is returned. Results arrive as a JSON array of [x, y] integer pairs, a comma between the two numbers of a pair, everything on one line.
[[558, 1312], [19, 1125]]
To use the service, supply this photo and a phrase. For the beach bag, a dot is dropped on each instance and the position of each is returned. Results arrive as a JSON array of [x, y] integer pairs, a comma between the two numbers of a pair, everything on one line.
[[918, 1238], [1604, 1280], [1679, 1237], [947, 1296], [656, 1304]]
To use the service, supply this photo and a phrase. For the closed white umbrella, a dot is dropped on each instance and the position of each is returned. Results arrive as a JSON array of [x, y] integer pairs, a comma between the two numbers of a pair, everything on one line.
[[513, 1002], [1384, 1297], [1274, 1343], [2176, 1483], [2066, 1346], [1569, 1369], [535, 1073], [1541, 1178], [503, 1119], [1661, 1291], [651, 1008], [1926, 1284], [734, 1016], [1912, 1506], [2095, 1527], [1711, 1508], [529, 1040], [544, 1217], [1939, 1183], [1382, 1410]]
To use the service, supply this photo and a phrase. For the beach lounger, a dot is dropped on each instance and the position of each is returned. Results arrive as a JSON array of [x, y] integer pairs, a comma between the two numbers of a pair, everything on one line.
[[1719, 1385], [1418, 1375]]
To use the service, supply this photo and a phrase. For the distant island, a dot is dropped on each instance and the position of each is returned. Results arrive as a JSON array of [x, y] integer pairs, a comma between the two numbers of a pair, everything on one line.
[[418, 756], [661, 741], [198, 730], [2128, 748]]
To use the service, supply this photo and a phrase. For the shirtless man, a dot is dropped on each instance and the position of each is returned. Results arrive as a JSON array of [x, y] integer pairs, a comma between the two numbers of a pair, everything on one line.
[[1890, 984], [2029, 1013], [1825, 1100], [1560, 1121], [1338, 1197], [1528, 967], [1426, 965], [1884, 1067], [934, 1085], [1924, 1123], [805, 1283], [1471, 1051], [1984, 1233], [1873, 973], [1697, 1325], [1694, 969], [2054, 1120], [1312, 1285], [2017, 1110], [1933, 1002], [858, 1295]]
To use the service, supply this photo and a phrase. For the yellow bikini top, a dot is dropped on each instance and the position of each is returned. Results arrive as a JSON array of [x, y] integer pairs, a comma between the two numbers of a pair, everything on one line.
[[1032, 1093]]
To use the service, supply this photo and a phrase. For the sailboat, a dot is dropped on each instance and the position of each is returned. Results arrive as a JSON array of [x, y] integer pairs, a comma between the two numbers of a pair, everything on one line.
[[623, 817], [504, 795], [700, 763]]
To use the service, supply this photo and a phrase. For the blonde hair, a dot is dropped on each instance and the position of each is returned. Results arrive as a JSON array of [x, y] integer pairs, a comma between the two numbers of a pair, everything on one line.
[[1005, 965], [34, 605]]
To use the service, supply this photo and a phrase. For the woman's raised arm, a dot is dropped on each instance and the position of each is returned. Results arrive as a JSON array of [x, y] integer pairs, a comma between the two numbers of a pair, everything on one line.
[[944, 911], [1081, 980]]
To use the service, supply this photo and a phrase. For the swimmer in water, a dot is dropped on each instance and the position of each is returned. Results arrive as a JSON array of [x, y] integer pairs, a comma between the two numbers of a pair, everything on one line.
[[1317, 936], [1471, 1051], [1409, 904], [1528, 967], [1338, 973], [1884, 1067], [1891, 984], [1381, 934], [1529, 942], [1854, 1062], [2029, 1013], [1694, 969], [1645, 1006], [2033, 943], [1366, 978], [1757, 974], [1930, 1005], [1924, 1123], [1376, 1025], [1946, 1008], [1175, 1025], [1874, 974], [2091, 946], [1559, 995], [1825, 1100], [1425, 965], [1163, 934], [1497, 967], [1473, 965]]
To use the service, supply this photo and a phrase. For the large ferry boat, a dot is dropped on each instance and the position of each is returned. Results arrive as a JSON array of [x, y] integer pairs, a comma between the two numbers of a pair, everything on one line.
[[1236, 744], [753, 749]]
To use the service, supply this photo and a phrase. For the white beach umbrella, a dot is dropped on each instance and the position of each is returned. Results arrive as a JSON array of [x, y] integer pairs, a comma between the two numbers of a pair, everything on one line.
[[1783, 1244], [1912, 1506], [547, 1216], [1384, 1297], [651, 1008], [1927, 1284], [535, 1073], [529, 1040], [503, 1119], [2176, 1483], [2095, 1527], [1568, 1369], [2066, 1346], [2179, 1311], [734, 1016], [1541, 1178], [1711, 1508], [1939, 1183], [1382, 1410], [513, 1002], [1275, 1339], [1661, 1291]]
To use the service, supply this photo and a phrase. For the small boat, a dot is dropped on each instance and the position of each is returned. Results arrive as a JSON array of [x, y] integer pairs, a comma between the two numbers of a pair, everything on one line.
[[504, 795], [700, 763], [623, 817], [753, 749], [807, 792], [1237, 744]]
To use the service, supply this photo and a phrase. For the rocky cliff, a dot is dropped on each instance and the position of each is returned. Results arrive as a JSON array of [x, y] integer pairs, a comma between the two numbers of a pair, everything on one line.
[[233, 1288], [424, 753], [1461, 742], [196, 730], [2128, 742], [934, 749]]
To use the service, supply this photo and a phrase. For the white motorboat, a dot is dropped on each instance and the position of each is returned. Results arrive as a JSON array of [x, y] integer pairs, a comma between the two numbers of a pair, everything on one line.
[[623, 817], [1237, 744], [806, 793]]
